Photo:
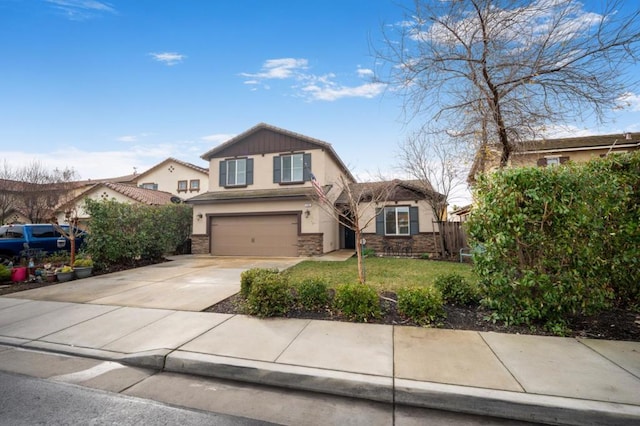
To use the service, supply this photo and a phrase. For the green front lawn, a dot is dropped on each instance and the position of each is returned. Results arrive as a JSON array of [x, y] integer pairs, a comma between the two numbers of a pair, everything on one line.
[[384, 274]]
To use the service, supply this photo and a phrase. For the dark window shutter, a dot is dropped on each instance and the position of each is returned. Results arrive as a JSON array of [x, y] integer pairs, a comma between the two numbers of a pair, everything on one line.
[[414, 227], [564, 160], [223, 173], [277, 167], [542, 162], [306, 167], [249, 171], [380, 221]]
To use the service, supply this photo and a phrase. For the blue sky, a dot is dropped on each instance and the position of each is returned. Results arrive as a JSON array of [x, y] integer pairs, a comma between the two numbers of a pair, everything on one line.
[[104, 87]]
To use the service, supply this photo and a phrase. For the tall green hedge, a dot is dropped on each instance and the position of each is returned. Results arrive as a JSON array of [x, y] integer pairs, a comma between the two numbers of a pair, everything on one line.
[[558, 240], [121, 232]]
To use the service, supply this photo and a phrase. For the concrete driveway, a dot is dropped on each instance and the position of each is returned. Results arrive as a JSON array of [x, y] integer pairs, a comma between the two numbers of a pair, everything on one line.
[[186, 283]]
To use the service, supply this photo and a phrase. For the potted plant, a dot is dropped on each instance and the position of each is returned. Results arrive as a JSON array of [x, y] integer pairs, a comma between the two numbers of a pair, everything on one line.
[[83, 267], [65, 273]]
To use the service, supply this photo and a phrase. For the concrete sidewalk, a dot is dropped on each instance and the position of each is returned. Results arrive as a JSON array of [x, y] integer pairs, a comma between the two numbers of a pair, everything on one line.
[[533, 378]]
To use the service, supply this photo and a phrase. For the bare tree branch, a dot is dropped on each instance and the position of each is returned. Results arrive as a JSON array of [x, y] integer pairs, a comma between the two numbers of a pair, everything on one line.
[[504, 70]]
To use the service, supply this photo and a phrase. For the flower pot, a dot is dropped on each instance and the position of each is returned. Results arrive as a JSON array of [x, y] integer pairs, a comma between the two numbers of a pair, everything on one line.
[[83, 272], [65, 276], [19, 274], [50, 277]]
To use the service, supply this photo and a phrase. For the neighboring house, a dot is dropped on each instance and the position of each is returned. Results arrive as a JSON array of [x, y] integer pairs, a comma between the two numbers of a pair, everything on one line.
[[549, 152], [461, 214], [120, 192], [259, 201], [182, 179]]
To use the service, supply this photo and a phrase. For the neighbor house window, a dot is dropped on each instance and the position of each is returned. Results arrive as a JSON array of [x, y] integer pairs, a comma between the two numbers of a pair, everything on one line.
[[553, 161], [236, 172], [182, 186], [292, 168], [153, 186], [396, 221], [194, 185]]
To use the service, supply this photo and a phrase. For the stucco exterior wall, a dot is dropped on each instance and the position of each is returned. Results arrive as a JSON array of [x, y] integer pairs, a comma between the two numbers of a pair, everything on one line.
[[263, 170], [519, 160], [425, 214], [316, 223], [167, 176]]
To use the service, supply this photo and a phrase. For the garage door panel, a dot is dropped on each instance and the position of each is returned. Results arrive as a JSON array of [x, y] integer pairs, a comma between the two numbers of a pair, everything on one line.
[[269, 235]]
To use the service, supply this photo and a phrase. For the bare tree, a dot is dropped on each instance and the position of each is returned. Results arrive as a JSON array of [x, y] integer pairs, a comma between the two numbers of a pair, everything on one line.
[[439, 166], [8, 191], [41, 190], [355, 208], [502, 70]]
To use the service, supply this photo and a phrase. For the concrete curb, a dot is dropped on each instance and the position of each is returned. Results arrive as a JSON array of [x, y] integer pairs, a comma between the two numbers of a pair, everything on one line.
[[462, 399], [514, 405], [375, 388]]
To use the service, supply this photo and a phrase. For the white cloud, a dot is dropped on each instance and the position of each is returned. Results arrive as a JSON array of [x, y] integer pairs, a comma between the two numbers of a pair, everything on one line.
[[217, 138], [79, 10], [127, 138], [279, 69], [565, 131], [331, 93], [630, 101], [312, 86], [364, 72], [168, 58]]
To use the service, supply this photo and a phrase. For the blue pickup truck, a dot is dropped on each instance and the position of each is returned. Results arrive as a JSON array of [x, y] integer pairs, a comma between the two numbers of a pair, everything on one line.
[[32, 239]]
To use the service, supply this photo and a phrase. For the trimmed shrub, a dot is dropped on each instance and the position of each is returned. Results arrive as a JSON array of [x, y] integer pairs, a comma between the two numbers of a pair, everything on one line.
[[558, 241], [122, 232], [248, 277], [421, 304], [359, 302], [5, 273], [457, 290], [312, 294], [270, 295]]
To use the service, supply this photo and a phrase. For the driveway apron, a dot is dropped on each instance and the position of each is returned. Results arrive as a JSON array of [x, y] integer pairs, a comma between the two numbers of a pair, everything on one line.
[[186, 283]]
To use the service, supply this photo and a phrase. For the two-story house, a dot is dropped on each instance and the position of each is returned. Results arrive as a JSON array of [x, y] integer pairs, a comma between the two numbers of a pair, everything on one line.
[[550, 152], [260, 199], [182, 179]]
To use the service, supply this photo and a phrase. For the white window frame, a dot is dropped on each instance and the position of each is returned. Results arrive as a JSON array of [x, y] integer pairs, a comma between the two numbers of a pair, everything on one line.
[[397, 222], [295, 170], [239, 174], [553, 161]]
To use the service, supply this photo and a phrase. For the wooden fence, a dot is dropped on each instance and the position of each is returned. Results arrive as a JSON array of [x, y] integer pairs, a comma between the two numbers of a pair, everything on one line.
[[452, 238]]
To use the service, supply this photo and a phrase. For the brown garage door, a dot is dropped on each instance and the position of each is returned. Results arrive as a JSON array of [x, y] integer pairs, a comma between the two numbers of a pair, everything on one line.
[[270, 235]]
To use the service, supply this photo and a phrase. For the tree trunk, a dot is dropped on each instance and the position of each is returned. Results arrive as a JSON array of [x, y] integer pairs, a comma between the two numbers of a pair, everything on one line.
[[361, 277]]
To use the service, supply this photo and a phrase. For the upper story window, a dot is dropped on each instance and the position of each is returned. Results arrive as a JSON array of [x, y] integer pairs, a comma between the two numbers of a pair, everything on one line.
[[194, 185], [292, 168], [182, 186], [552, 161], [396, 221], [236, 172], [148, 185]]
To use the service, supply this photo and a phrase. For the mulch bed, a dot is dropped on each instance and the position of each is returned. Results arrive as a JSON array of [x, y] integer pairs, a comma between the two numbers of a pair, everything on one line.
[[614, 324]]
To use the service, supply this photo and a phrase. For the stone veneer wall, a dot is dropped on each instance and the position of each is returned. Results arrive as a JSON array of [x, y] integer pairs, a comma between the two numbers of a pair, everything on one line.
[[310, 244], [420, 243], [199, 244]]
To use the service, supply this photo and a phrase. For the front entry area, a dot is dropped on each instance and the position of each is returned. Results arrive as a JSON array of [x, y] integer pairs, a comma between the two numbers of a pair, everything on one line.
[[260, 235]]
